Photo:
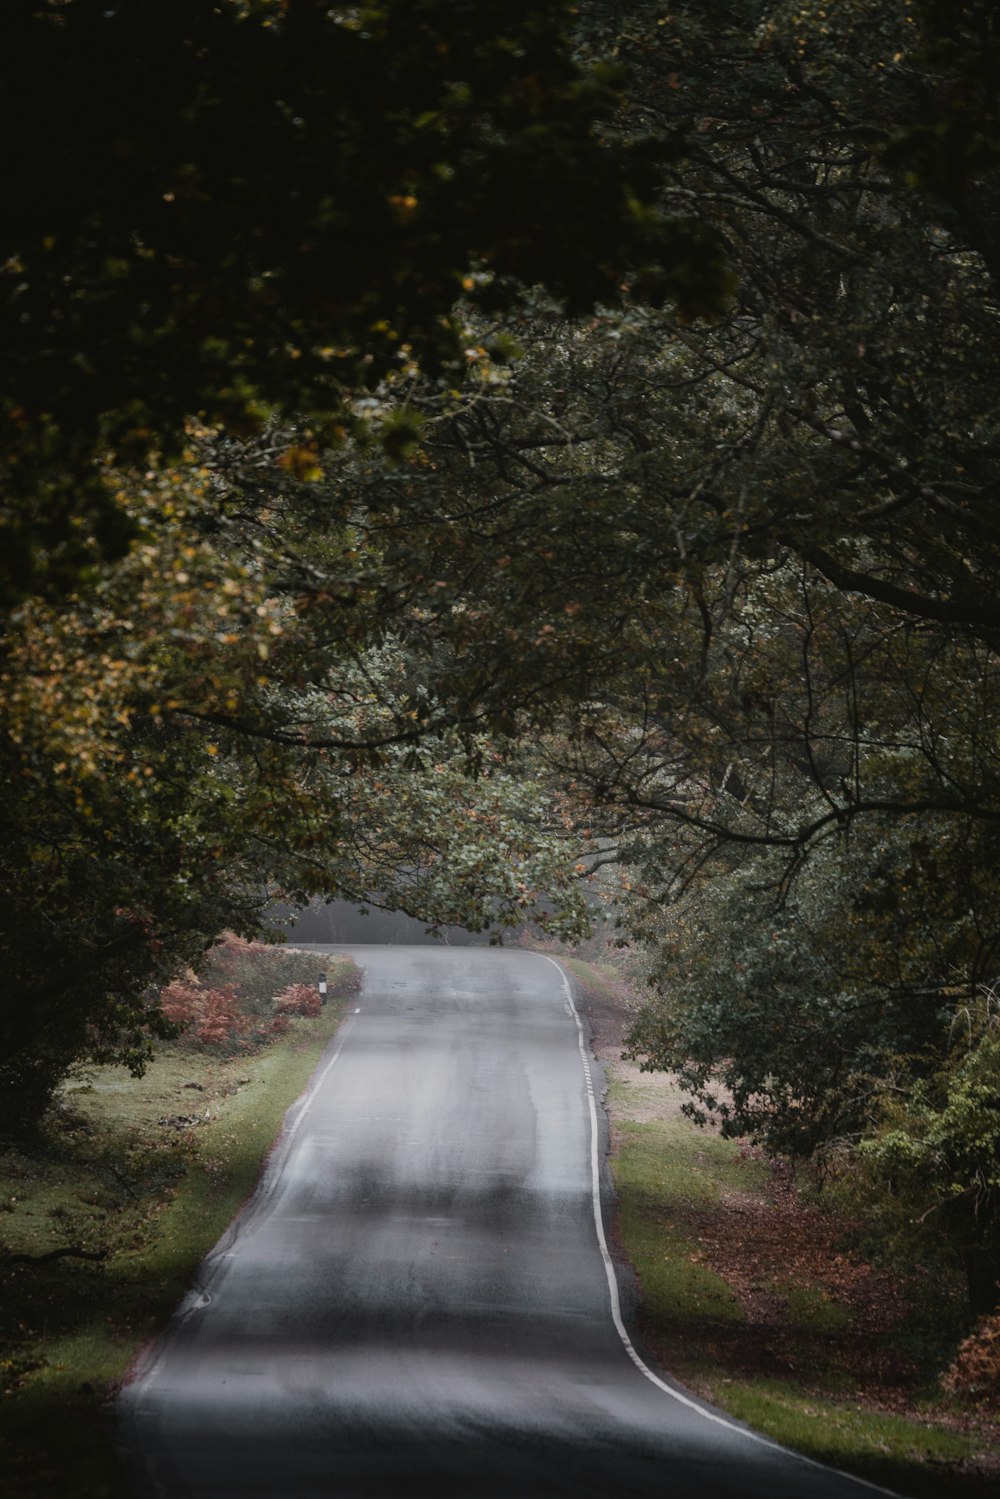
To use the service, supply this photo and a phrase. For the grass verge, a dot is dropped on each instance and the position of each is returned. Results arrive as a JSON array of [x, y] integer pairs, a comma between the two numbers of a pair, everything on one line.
[[748, 1296], [141, 1176]]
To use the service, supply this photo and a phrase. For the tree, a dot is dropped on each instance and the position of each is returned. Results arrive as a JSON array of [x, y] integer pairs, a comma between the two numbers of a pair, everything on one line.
[[233, 209], [722, 593], [936, 1149], [219, 214], [752, 566], [180, 747], [844, 552], [832, 439]]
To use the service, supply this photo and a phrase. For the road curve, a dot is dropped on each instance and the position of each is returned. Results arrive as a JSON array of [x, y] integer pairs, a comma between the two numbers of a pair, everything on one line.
[[415, 1304]]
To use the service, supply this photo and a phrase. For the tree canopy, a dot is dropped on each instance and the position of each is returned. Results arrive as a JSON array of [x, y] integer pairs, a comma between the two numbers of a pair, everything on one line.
[[440, 554], [227, 216], [227, 210], [750, 566]]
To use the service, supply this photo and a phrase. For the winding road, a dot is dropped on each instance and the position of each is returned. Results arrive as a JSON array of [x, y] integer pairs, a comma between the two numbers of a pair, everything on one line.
[[418, 1301]]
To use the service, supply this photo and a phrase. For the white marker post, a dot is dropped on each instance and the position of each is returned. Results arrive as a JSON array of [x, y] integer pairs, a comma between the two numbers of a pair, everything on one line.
[[322, 988]]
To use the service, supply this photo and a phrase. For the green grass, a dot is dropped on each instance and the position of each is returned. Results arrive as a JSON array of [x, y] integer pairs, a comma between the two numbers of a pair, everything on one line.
[[902, 1454], [657, 1174], [601, 974], [811, 1309], [109, 1176]]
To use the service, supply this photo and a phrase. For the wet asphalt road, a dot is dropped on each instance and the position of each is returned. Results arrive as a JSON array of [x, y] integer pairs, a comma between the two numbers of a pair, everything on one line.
[[415, 1305]]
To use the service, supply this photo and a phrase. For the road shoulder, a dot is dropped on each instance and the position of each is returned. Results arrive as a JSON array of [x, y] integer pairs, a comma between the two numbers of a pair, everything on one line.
[[739, 1287]]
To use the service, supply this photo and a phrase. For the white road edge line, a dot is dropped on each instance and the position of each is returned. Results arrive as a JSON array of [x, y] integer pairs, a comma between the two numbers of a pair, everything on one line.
[[612, 1279], [312, 1089]]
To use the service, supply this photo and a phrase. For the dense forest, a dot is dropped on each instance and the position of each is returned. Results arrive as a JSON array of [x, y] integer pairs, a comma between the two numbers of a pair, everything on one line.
[[486, 460]]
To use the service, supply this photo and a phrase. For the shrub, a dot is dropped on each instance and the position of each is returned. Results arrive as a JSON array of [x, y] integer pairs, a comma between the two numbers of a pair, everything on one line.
[[255, 969], [179, 1000], [246, 994], [206, 1016], [218, 1019], [298, 999], [975, 1373]]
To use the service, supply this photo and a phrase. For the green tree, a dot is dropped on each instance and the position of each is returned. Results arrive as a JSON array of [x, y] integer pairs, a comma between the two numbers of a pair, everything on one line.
[[751, 565], [180, 746], [722, 593], [216, 214], [936, 1149], [232, 209]]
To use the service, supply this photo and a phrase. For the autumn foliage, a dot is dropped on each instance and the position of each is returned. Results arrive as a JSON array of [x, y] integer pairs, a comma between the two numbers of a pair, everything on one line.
[[298, 999], [975, 1374], [206, 1015], [247, 993]]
